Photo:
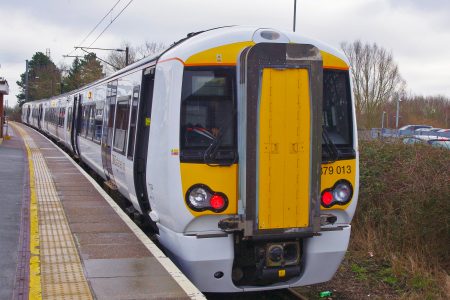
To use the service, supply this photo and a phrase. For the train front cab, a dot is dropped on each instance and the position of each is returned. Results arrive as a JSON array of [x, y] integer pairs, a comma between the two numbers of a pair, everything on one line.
[[281, 229], [268, 167]]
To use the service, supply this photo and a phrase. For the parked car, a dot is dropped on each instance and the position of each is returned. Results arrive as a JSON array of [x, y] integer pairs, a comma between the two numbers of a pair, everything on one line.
[[440, 143], [428, 129], [410, 129], [415, 140], [414, 127], [434, 141]]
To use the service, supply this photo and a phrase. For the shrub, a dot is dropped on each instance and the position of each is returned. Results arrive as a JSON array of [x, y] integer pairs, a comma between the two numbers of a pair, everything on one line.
[[403, 211]]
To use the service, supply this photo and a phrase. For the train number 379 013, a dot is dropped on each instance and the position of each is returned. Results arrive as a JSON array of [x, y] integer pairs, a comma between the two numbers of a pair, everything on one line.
[[330, 170]]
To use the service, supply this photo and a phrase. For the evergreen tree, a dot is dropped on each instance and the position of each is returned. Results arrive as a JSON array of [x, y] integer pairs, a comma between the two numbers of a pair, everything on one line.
[[73, 79], [91, 69], [83, 71], [43, 79]]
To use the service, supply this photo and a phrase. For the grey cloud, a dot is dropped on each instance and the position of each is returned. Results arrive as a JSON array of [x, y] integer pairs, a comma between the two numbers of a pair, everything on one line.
[[423, 5]]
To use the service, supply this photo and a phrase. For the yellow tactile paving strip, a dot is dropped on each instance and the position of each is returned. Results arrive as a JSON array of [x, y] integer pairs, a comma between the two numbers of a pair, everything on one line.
[[55, 268]]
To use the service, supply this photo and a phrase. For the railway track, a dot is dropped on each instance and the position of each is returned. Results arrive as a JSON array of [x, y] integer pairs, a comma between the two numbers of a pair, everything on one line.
[[296, 294], [284, 294]]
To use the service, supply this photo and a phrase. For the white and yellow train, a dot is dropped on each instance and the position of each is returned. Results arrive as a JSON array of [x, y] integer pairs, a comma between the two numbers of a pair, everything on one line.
[[238, 143]]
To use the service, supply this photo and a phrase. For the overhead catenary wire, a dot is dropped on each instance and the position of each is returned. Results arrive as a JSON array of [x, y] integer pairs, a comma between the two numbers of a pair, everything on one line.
[[107, 14], [95, 27], [112, 21]]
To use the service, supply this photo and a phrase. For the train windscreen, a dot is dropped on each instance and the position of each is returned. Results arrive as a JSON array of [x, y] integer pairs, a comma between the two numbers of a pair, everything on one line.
[[337, 112], [208, 113]]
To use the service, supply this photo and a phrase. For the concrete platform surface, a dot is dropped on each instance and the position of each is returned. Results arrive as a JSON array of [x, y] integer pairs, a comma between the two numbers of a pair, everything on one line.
[[13, 173], [80, 245]]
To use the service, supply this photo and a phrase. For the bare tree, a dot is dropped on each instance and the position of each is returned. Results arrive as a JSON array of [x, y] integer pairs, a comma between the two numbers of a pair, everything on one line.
[[149, 49], [376, 79], [117, 59], [417, 109]]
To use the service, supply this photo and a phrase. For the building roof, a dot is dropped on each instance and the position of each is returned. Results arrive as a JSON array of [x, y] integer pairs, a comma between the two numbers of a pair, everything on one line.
[[4, 87]]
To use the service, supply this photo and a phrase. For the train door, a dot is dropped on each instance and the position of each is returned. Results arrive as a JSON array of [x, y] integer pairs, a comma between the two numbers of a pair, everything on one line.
[[28, 114], [40, 116], [142, 138], [108, 128], [57, 118], [76, 124], [68, 124], [281, 154]]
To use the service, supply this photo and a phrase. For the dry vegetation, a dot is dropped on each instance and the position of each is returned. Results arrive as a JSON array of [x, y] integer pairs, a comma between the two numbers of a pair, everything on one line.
[[400, 245], [431, 110], [403, 214]]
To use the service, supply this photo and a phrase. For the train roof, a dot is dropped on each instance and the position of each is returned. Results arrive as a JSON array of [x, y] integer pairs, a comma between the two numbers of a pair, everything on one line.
[[235, 34], [197, 42]]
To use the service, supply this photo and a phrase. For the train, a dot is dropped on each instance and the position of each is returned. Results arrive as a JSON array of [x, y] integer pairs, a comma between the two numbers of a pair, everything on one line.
[[238, 144]]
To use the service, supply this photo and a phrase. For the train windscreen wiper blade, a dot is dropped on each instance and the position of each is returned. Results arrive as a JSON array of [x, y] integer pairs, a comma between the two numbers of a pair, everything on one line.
[[209, 157], [333, 151]]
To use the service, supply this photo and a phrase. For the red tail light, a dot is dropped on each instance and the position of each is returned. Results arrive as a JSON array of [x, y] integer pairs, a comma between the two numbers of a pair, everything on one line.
[[327, 198], [200, 197], [217, 202]]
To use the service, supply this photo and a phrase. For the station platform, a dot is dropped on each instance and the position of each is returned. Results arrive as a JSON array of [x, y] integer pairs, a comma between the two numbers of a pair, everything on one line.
[[63, 237]]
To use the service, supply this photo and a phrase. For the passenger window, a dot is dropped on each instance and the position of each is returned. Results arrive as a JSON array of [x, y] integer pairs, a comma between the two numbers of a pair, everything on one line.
[[84, 120], [134, 110], [98, 121], [62, 114], [69, 118], [121, 124], [91, 123]]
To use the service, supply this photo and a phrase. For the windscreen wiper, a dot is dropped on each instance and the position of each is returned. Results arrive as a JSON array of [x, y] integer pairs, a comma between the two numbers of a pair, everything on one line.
[[209, 157], [333, 151]]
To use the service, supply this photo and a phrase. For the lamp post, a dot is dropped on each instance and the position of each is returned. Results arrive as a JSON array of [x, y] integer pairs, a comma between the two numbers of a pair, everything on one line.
[[382, 120], [398, 111], [26, 80]]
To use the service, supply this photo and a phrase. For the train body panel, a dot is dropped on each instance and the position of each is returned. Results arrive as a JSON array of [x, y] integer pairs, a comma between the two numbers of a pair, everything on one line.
[[163, 165], [246, 193]]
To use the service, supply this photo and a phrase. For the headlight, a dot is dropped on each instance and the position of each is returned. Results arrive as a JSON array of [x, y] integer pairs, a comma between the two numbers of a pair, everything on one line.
[[200, 197], [340, 194]]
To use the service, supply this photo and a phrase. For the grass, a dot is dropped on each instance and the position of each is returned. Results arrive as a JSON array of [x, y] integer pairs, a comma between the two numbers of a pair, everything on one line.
[[402, 219]]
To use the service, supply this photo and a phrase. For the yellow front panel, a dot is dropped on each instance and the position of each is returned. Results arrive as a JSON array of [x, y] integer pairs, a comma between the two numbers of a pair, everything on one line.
[[332, 62], [219, 179], [222, 55], [284, 152]]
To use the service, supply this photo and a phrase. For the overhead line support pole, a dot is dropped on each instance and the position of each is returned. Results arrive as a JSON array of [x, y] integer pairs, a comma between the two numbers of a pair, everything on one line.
[[101, 59], [295, 13], [26, 80]]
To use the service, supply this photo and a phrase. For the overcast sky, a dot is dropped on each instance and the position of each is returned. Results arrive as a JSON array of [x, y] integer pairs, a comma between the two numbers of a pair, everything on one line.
[[416, 31]]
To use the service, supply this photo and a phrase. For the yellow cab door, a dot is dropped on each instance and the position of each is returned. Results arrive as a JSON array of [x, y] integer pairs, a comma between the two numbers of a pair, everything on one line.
[[283, 188]]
